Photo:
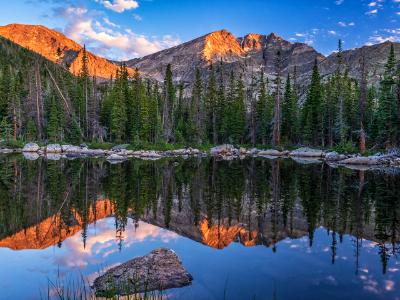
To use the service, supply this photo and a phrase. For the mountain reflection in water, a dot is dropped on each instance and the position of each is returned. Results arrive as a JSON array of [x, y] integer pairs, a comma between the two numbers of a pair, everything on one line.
[[311, 216]]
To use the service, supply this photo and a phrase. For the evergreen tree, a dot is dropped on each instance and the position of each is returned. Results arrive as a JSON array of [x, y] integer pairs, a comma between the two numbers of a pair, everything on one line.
[[169, 95], [277, 120], [388, 110], [212, 106], [53, 126], [196, 119], [289, 113], [311, 112], [263, 112], [5, 129]]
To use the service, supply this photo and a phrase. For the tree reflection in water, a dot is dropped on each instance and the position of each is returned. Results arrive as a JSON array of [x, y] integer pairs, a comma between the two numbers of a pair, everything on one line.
[[251, 201]]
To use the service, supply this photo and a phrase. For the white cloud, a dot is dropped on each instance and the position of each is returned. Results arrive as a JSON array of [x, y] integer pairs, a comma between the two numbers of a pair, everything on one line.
[[107, 38], [108, 22], [339, 2], [344, 24], [377, 39], [372, 4], [332, 32], [119, 6], [372, 12]]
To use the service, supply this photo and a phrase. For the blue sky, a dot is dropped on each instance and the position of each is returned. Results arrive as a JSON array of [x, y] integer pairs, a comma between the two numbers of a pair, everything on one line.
[[122, 29]]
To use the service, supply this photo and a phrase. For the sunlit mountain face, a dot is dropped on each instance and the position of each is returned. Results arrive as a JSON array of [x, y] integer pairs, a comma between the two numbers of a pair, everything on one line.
[[249, 227]]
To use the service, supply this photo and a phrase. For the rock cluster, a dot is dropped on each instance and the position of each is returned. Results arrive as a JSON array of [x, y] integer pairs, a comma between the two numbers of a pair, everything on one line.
[[121, 153], [161, 269], [117, 154]]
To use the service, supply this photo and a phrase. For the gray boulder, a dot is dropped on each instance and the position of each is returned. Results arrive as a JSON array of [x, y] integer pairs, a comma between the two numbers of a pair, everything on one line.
[[53, 148], [71, 149], [161, 269], [31, 147], [307, 152], [224, 150], [334, 156]]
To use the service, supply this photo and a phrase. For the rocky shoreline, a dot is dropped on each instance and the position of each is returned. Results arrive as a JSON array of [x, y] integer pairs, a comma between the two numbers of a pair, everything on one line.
[[120, 153]]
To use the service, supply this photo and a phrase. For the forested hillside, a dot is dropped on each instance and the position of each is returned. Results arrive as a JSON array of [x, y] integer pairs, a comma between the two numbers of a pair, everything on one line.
[[42, 101]]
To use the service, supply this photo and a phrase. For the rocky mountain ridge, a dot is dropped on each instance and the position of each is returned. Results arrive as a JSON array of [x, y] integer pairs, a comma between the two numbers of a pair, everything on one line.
[[47, 42], [249, 55]]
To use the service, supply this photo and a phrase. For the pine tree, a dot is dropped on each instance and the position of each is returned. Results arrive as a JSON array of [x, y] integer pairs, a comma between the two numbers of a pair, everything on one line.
[[311, 112], [181, 117], [277, 120], [263, 112], [196, 111], [53, 125], [388, 114], [363, 103], [154, 116], [5, 129], [212, 106], [169, 95], [237, 128], [289, 113]]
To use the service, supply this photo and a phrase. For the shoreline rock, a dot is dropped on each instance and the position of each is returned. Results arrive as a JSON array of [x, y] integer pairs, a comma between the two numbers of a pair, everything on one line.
[[307, 152], [224, 152], [161, 269]]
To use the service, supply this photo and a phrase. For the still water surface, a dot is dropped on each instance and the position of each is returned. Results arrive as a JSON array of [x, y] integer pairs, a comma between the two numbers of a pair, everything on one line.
[[246, 229]]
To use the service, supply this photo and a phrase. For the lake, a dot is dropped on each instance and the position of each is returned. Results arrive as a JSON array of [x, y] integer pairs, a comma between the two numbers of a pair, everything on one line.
[[245, 229]]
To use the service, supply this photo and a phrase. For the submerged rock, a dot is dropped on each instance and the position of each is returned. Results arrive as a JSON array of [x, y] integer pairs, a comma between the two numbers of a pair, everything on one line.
[[31, 147], [161, 269]]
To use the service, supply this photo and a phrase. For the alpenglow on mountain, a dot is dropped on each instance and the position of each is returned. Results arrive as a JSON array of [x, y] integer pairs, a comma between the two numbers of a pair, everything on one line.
[[248, 55]]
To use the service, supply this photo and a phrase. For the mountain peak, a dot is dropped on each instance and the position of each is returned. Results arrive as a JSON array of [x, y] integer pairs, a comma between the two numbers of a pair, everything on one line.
[[221, 44], [47, 42], [253, 42]]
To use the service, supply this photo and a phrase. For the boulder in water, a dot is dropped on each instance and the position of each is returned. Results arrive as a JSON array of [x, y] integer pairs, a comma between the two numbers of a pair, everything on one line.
[[161, 269], [31, 147]]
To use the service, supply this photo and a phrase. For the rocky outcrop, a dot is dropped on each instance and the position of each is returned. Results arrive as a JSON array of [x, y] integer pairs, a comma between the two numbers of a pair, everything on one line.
[[31, 147], [46, 42], [54, 148], [161, 269]]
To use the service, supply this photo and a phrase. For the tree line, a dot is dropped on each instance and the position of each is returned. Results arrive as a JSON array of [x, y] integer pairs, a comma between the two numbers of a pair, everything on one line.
[[41, 101]]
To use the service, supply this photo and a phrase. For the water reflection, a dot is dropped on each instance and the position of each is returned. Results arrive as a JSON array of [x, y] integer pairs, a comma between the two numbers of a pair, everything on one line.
[[217, 203]]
